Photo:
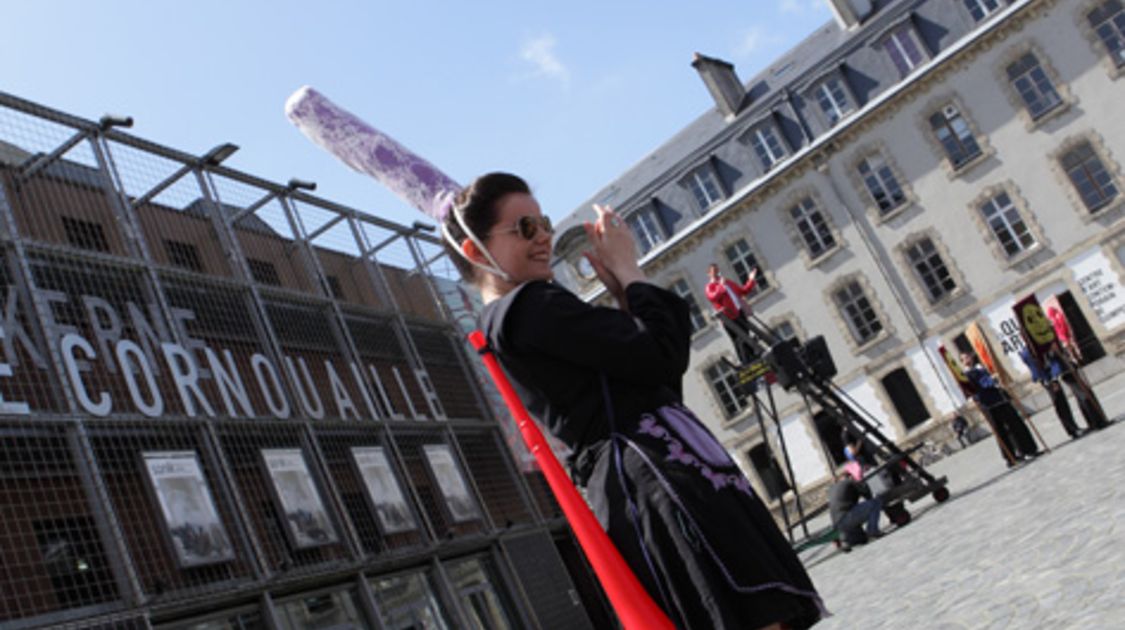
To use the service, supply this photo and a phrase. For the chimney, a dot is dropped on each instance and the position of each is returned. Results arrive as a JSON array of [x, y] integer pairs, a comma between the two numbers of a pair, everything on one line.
[[722, 82], [850, 13]]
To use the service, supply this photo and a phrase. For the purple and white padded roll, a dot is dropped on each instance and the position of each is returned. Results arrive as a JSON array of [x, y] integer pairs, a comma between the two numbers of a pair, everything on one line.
[[372, 152]]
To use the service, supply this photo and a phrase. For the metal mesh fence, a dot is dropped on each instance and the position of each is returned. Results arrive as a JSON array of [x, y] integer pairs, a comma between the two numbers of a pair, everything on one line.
[[494, 476], [167, 200], [378, 342], [275, 500], [214, 386], [372, 488], [542, 576], [179, 527], [541, 492], [33, 380], [440, 483], [51, 555], [446, 366]]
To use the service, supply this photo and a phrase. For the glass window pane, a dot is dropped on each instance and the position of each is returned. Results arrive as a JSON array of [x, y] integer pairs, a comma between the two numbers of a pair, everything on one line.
[[337, 610], [479, 598], [406, 602]]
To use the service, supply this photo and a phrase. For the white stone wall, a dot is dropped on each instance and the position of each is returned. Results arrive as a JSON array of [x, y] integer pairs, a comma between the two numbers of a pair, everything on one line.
[[1020, 157]]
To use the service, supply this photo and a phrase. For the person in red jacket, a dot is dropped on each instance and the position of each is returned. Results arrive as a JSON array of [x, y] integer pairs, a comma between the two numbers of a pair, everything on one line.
[[726, 296]]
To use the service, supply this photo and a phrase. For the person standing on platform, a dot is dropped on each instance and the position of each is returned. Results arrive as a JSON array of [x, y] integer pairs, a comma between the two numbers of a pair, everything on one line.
[[726, 296]]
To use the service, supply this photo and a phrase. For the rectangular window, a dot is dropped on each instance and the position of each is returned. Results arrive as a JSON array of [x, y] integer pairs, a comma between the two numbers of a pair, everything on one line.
[[408, 601], [1009, 228], [723, 382], [955, 136], [767, 145], [336, 288], [183, 255], [833, 99], [327, 610], [812, 227], [1108, 21], [981, 9], [784, 329], [85, 234], [743, 261], [646, 229], [698, 321], [863, 321], [881, 183], [263, 272], [1089, 176], [1033, 85], [705, 186], [904, 49], [931, 269]]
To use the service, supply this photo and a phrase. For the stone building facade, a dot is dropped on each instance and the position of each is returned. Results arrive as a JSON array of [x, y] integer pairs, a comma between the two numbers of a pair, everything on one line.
[[909, 170]]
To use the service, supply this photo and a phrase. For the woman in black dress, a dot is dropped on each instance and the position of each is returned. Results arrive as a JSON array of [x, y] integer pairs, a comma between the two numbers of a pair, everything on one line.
[[607, 382]]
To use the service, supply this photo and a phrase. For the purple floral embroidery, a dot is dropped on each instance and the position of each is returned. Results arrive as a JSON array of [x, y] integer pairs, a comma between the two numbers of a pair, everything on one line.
[[703, 453]]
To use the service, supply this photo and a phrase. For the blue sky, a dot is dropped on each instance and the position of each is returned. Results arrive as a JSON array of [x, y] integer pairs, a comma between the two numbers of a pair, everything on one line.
[[567, 94]]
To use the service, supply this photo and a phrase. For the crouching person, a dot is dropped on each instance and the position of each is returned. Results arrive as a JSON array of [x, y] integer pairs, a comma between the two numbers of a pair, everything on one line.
[[852, 507]]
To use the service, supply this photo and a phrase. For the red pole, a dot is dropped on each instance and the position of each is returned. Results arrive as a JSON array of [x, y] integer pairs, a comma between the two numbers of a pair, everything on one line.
[[634, 607]]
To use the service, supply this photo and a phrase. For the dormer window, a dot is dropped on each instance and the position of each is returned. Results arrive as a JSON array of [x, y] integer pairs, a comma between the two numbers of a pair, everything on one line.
[[646, 229], [832, 96], [704, 185], [766, 140], [904, 48], [981, 9]]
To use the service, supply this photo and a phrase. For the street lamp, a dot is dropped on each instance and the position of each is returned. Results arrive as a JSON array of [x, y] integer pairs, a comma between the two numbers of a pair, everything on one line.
[[113, 120], [301, 184], [216, 156]]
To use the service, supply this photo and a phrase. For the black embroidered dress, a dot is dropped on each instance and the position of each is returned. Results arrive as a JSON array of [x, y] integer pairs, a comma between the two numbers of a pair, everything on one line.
[[608, 384]]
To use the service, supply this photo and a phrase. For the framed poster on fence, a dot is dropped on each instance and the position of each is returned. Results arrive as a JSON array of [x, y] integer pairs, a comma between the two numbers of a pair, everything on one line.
[[305, 517], [449, 480], [191, 521], [383, 490]]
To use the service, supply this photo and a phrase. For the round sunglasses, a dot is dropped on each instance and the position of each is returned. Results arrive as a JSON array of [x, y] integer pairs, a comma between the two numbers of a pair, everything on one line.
[[528, 227]]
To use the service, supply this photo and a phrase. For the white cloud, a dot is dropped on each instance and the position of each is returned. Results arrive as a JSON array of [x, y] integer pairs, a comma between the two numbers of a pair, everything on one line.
[[801, 6], [540, 53], [754, 40]]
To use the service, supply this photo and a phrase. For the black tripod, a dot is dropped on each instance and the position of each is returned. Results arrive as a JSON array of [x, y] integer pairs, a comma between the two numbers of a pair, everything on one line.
[[809, 369]]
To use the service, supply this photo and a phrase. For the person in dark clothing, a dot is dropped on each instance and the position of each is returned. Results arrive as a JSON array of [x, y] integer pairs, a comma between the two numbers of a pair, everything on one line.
[[851, 507], [961, 429], [607, 382], [1048, 376], [1088, 402], [995, 402]]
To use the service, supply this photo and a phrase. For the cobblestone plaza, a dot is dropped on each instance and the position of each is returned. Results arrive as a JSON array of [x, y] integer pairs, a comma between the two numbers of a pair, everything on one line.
[[1038, 546]]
